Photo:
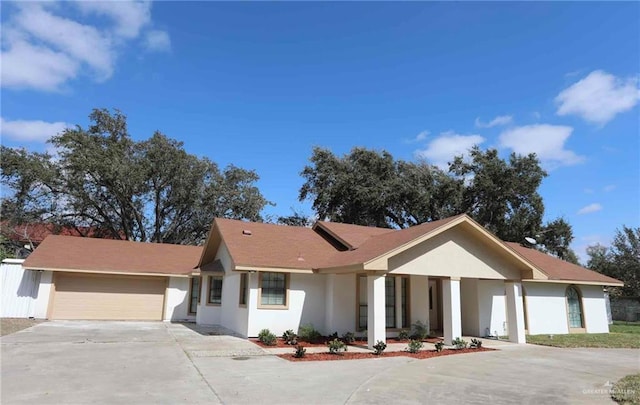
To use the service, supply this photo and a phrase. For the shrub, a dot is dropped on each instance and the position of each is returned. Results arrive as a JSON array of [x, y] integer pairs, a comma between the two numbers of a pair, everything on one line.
[[334, 335], [349, 337], [475, 343], [336, 345], [439, 346], [420, 330], [308, 333], [266, 337], [379, 347], [300, 352], [459, 343], [403, 334], [415, 346], [290, 337]]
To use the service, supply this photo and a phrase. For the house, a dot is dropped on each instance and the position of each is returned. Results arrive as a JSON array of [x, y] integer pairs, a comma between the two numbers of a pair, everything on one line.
[[452, 274]]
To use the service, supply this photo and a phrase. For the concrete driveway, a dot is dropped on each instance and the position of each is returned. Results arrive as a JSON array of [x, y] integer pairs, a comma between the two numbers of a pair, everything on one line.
[[154, 362]]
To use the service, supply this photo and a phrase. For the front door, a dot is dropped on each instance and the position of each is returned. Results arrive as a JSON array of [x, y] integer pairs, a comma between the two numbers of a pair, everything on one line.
[[434, 319]]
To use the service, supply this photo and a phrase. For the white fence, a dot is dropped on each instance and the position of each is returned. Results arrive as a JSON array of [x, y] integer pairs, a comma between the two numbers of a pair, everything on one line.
[[19, 289]]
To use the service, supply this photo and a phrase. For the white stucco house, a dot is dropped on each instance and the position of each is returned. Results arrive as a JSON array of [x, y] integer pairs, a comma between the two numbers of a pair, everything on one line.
[[452, 274]]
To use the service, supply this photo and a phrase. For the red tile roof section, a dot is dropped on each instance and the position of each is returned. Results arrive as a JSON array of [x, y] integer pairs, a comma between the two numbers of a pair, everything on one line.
[[557, 269], [107, 255], [270, 245]]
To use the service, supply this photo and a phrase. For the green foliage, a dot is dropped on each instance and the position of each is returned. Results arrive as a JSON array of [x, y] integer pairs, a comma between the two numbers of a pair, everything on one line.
[[414, 346], [621, 260], [379, 347], [334, 335], [265, 336], [300, 352], [336, 345], [627, 390], [459, 343], [290, 337], [368, 187], [439, 346], [403, 334], [150, 190], [475, 344], [308, 333], [420, 330], [349, 337]]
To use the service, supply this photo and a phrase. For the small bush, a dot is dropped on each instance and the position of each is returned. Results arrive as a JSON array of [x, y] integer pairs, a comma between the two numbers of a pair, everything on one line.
[[415, 346], [439, 346], [420, 330], [308, 333], [349, 337], [334, 335], [403, 334], [300, 352], [475, 343], [266, 337], [290, 337], [336, 345], [379, 347], [459, 343]]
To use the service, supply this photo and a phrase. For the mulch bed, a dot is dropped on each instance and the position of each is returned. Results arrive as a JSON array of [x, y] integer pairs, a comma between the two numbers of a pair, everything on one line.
[[423, 354], [322, 342]]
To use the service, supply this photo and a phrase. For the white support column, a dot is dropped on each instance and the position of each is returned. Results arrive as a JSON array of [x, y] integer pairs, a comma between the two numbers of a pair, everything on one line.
[[451, 313], [515, 312], [376, 318], [398, 303]]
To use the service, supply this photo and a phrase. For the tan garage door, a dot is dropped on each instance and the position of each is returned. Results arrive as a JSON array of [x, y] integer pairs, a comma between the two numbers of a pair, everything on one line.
[[89, 296]]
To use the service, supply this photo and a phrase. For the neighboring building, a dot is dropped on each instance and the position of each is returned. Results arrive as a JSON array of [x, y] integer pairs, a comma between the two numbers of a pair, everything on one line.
[[452, 274]]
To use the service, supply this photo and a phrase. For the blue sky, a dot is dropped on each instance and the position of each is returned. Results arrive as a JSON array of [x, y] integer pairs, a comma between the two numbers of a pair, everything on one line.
[[259, 84]]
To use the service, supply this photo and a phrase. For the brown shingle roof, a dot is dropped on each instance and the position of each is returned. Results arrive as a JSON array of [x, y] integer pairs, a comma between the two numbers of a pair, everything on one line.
[[352, 235], [105, 255], [270, 245], [557, 269]]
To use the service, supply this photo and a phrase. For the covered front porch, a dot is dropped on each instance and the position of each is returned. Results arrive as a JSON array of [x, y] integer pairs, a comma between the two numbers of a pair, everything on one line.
[[448, 307]]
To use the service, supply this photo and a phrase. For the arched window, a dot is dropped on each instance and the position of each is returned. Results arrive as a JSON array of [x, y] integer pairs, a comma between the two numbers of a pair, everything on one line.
[[574, 308]]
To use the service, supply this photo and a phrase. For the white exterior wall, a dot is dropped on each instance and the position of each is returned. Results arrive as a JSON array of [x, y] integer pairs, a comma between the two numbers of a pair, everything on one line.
[[492, 308], [233, 316], [469, 307], [176, 307], [340, 312], [594, 306], [212, 314], [306, 306], [19, 289], [546, 308]]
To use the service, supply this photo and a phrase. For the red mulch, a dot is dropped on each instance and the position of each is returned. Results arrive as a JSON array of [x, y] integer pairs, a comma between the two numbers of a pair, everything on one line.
[[423, 354], [322, 342]]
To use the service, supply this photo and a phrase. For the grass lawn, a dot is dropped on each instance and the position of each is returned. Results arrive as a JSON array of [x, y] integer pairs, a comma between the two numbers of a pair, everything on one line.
[[627, 390], [622, 335]]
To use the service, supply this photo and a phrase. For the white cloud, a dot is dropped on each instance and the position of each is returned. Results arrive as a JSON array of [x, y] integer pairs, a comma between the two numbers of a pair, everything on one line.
[[499, 120], [157, 41], [43, 50], [445, 147], [546, 141], [609, 188], [129, 17], [30, 131], [595, 207], [599, 97], [418, 138]]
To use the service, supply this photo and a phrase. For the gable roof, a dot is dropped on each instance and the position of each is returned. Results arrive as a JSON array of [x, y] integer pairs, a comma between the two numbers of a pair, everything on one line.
[[557, 269], [270, 245], [70, 253], [352, 236]]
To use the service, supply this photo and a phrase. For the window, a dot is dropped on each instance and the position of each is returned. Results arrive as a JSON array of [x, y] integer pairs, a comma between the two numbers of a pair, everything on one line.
[[273, 289], [194, 294], [574, 308], [405, 302], [392, 301], [243, 288], [215, 290]]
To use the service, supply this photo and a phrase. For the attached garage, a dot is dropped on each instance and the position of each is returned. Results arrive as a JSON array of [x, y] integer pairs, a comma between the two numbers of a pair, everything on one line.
[[100, 296], [103, 279]]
